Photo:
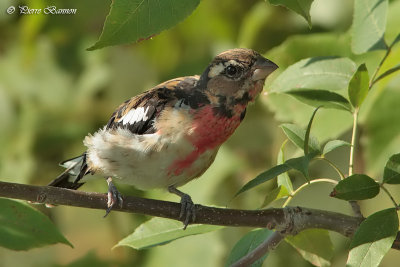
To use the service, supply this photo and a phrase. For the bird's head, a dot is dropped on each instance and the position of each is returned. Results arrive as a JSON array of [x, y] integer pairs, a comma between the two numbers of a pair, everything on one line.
[[236, 76]]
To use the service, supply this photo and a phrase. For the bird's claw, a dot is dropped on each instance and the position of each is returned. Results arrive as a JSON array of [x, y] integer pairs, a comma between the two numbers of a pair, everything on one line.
[[188, 212], [114, 197]]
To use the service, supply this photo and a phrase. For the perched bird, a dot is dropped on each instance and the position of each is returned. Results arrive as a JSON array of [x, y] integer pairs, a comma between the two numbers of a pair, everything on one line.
[[169, 135]]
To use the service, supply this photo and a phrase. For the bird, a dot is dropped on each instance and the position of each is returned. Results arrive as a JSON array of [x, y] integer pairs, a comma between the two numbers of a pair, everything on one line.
[[170, 134]]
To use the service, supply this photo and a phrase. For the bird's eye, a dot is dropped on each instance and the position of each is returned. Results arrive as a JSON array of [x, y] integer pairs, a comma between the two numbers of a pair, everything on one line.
[[232, 71]]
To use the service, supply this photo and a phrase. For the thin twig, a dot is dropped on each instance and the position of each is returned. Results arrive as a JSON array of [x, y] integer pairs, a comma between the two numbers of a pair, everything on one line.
[[321, 180], [269, 244], [387, 73], [353, 142], [333, 166], [354, 205], [388, 50], [389, 195]]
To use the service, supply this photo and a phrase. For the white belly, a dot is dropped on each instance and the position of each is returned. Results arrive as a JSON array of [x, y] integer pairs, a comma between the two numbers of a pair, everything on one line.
[[143, 160]]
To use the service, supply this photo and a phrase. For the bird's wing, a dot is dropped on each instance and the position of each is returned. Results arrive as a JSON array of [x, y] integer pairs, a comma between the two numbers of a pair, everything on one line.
[[139, 113]]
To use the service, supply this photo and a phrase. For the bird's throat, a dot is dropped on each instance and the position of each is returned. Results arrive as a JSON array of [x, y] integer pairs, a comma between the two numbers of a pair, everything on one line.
[[212, 128]]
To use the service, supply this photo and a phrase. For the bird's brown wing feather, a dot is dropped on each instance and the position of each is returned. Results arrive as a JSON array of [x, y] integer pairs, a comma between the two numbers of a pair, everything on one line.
[[149, 105]]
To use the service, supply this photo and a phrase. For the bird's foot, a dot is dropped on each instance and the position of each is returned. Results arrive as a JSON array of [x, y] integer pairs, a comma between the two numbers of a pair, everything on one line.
[[114, 197], [188, 211]]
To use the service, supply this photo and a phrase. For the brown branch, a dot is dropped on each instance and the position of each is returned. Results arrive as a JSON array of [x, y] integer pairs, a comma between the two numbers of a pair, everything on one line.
[[288, 221]]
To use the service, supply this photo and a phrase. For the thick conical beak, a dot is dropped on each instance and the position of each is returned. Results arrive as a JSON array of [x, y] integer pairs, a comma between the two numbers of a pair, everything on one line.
[[263, 67]]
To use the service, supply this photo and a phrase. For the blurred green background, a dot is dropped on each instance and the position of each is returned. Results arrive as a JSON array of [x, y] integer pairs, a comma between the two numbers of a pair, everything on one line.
[[53, 93]]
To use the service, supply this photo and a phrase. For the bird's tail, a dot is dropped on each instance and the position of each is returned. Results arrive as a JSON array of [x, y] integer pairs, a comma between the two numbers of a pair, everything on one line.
[[76, 168]]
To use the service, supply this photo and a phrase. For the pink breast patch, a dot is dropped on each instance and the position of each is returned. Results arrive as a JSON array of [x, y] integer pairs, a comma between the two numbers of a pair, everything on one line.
[[210, 132]]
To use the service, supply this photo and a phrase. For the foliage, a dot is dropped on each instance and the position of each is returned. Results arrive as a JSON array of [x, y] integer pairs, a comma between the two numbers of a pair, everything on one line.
[[52, 92], [158, 231], [129, 21], [314, 245], [23, 228], [374, 238], [356, 187], [247, 244], [302, 7]]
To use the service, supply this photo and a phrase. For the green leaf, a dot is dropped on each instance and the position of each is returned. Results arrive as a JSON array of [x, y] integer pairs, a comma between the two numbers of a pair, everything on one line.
[[23, 227], [359, 86], [323, 73], [160, 231], [369, 254], [381, 224], [369, 24], [356, 187], [301, 46], [283, 178], [334, 144], [301, 7], [301, 164], [391, 174], [381, 129], [331, 123], [308, 131], [263, 177], [392, 24], [314, 245], [373, 238], [297, 136], [247, 244], [133, 20], [276, 193], [323, 98]]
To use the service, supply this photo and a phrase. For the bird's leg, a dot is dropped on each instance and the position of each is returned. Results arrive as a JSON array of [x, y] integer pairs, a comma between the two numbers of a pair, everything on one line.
[[114, 197], [188, 213]]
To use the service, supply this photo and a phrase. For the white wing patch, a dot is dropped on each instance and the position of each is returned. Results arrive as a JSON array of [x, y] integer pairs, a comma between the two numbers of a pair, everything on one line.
[[135, 115]]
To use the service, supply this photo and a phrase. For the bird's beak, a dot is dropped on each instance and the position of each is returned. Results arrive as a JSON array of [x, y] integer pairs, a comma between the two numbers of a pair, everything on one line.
[[263, 67]]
